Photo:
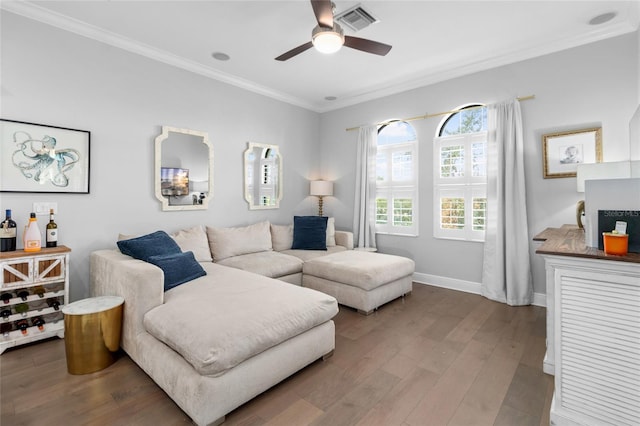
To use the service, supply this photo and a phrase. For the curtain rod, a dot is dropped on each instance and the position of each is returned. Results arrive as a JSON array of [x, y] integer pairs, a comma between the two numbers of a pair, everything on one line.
[[422, 117]]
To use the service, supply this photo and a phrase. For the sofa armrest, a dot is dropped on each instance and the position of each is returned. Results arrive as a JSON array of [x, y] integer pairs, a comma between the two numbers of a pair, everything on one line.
[[344, 239], [141, 285]]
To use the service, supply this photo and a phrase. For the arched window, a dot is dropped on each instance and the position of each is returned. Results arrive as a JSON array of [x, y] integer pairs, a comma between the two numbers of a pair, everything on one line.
[[397, 179], [460, 174]]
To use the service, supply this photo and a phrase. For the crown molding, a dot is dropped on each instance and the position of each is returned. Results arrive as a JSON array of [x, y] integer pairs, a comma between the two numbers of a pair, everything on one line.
[[436, 75], [46, 16]]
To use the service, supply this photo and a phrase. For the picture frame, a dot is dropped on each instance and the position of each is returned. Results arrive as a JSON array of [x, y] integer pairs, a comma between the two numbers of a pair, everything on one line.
[[563, 151], [43, 159]]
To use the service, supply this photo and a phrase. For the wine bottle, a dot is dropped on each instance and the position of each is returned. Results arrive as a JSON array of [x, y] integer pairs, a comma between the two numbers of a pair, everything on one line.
[[8, 233], [23, 294], [38, 322], [52, 231], [23, 325], [5, 314], [54, 304], [6, 297], [32, 239], [39, 290], [22, 308], [6, 328]]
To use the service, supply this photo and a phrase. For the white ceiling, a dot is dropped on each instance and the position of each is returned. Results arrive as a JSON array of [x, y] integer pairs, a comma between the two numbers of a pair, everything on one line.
[[432, 40]]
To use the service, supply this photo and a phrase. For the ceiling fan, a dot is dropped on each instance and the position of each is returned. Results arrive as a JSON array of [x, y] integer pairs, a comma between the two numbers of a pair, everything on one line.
[[328, 36]]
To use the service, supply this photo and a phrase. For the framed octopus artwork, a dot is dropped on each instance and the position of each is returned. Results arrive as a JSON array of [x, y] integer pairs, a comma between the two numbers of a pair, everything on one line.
[[41, 158]]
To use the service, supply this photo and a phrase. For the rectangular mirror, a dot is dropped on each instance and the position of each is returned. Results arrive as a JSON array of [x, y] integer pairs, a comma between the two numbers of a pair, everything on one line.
[[262, 176]]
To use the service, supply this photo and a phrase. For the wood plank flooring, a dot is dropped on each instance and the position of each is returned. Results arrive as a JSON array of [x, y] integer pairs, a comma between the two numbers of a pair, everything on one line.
[[437, 357]]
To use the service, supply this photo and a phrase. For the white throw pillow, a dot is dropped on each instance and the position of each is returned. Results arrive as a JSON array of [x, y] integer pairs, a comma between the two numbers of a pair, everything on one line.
[[331, 232], [228, 242], [281, 237], [195, 240]]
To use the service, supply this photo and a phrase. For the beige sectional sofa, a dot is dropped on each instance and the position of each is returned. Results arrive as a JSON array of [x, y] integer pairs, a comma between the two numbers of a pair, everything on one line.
[[239, 327], [219, 340]]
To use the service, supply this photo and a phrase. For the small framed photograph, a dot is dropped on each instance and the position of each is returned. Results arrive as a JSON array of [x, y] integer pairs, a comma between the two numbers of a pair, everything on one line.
[[563, 151], [41, 158]]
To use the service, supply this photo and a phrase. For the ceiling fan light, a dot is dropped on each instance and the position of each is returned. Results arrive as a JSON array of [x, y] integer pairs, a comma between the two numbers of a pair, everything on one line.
[[327, 40]]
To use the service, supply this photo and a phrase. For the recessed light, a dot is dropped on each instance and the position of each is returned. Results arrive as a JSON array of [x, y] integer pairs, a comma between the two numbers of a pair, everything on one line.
[[330, 98], [220, 56], [601, 19]]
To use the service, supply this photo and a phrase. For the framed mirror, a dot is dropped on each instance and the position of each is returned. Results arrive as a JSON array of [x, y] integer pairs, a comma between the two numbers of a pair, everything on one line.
[[262, 176], [183, 169]]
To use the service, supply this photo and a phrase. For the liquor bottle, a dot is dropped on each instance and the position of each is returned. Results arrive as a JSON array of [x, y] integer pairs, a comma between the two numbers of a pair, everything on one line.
[[38, 322], [6, 297], [32, 239], [52, 231], [22, 308], [8, 232], [23, 294], [54, 304], [22, 326], [6, 328], [5, 314]]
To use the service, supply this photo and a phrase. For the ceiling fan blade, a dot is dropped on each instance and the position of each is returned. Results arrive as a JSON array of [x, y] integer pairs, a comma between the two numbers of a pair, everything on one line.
[[365, 45], [295, 51], [323, 10]]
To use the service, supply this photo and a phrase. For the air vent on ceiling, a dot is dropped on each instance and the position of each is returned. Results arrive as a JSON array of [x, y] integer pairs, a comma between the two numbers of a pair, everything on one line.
[[355, 18]]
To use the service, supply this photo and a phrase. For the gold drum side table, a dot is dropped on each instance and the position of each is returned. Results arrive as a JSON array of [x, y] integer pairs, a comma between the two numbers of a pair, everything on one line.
[[92, 333]]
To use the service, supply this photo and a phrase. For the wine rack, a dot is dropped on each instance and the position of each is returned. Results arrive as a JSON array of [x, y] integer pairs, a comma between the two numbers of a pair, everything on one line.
[[33, 288]]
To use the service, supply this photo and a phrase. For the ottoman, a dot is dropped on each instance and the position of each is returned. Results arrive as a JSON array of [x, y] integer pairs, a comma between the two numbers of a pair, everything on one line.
[[359, 279]]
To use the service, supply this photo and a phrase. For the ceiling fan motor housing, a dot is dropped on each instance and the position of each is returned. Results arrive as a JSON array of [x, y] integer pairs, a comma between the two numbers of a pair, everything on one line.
[[328, 40]]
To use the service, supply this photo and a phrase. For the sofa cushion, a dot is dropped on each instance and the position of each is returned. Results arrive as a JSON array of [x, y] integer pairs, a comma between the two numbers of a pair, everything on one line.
[[178, 268], [227, 242], [154, 244], [331, 232], [281, 237], [305, 255], [361, 269], [271, 264], [194, 240], [309, 233], [224, 318]]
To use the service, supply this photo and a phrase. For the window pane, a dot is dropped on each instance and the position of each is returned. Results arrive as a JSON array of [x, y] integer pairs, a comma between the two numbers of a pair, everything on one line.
[[473, 120], [381, 167], [401, 163], [479, 162], [381, 211], [479, 213], [452, 213], [402, 212], [451, 126], [396, 132], [452, 161]]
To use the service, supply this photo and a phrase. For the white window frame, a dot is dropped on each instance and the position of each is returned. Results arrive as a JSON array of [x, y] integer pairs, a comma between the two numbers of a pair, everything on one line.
[[391, 190], [467, 187]]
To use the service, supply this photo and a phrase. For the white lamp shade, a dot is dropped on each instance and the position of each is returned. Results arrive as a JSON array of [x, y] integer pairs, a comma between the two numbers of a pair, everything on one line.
[[321, 188]]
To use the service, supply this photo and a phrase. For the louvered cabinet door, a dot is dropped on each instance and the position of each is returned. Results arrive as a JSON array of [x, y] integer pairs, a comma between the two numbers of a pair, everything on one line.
[[597, 343]]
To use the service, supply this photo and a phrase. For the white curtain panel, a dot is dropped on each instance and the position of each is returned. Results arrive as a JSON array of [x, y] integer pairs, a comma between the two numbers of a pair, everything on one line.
[[364, 212], [506, 273]]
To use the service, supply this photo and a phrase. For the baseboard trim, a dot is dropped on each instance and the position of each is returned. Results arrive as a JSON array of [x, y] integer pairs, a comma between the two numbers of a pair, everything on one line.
[[539, 299]]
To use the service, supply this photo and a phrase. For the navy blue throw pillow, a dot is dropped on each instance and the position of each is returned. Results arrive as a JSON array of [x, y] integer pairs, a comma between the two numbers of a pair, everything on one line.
[[310, 232], [178, 268], [154, 244]]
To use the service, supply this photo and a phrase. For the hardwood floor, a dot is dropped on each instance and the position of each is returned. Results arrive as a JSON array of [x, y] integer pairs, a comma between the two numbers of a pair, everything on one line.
[[437, 357]]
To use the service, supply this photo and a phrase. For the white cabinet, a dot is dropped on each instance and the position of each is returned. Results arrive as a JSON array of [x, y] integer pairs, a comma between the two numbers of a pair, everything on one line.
[[593, 340], [34, 287]]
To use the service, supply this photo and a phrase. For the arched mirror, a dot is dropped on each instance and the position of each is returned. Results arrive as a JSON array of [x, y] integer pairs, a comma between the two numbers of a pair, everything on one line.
[[262, 176], [183, 169]]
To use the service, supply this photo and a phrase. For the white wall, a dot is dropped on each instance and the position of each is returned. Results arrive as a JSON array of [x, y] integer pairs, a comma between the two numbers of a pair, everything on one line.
[[593, 85], [50, 76]]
